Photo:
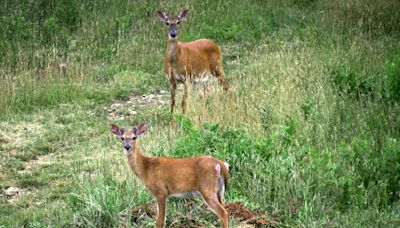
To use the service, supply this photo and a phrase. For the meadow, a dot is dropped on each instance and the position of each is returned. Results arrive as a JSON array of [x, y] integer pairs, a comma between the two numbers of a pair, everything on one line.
[[310, 130]]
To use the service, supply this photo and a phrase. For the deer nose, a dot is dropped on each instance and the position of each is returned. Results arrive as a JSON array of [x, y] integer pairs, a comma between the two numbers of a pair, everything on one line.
[[173, 34], [127, 147]]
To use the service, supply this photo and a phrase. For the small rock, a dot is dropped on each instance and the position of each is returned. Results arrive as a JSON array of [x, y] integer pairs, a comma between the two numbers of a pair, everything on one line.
[[12, 191], [113, 116], [132, 112], [116, 105]]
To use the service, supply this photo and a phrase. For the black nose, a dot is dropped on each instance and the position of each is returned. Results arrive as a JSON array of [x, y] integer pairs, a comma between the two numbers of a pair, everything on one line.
[[127, 147], [173, 34]]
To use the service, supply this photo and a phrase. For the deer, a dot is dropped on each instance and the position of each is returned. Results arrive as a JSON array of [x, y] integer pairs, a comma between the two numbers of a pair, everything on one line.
[[165, 177], [185, 62]]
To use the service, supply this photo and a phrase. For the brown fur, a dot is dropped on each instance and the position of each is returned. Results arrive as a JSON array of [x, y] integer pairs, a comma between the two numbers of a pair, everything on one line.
[[168, 176], [184, 61], [193, 59]]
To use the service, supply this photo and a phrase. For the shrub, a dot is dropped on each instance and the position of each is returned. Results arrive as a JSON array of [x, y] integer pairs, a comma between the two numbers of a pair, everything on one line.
[[353, 83]]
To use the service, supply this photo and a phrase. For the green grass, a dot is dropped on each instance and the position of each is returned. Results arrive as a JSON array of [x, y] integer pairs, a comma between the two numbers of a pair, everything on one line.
[[312, 126]]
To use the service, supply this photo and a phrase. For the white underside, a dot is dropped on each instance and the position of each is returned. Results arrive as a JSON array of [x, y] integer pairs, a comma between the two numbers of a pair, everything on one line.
[[186, 195], [203, 79], [197, 80]]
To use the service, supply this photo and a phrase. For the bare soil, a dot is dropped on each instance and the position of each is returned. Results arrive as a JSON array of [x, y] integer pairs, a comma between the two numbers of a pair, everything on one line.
[[236, 210], [119, 110]]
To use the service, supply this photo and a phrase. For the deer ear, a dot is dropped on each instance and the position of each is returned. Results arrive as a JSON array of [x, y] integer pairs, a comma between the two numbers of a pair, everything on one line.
[[183, 14], [161, 16], [116, 130], [139, 130]]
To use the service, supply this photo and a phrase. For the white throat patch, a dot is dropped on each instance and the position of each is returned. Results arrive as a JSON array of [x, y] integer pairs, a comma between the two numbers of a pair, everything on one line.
[[128, 152]]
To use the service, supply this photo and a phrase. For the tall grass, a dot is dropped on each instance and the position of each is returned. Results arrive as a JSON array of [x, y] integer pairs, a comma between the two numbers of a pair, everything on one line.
[[312, 125]]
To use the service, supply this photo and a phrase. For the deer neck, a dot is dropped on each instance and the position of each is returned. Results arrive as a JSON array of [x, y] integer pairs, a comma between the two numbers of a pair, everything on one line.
[[173, 50], [137, 163]]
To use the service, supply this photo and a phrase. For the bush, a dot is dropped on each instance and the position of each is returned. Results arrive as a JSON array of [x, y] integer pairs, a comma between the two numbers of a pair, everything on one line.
[[356, 175], [353, 83]]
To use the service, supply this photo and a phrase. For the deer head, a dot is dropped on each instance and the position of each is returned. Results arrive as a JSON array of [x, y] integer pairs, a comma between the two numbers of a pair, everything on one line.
[[172, 23], [128, 137]]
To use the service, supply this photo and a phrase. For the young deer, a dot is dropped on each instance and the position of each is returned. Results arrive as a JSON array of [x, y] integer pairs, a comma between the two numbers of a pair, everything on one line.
[[187, 61], [179, 177]]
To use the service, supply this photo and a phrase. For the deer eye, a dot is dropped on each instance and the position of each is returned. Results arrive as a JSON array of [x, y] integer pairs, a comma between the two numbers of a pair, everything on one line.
[[134, 138], [122, 138], [178, 22], [167, 23]]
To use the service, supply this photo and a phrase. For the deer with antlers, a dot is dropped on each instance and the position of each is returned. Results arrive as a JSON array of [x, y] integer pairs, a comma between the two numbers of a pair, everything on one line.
[[189, 61], [179, 177]]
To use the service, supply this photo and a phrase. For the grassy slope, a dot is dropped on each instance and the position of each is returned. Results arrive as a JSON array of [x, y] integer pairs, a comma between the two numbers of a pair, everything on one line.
[[315, 149]]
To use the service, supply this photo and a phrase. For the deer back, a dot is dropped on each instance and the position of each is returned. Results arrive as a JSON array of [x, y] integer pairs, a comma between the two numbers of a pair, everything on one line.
[[195, 59]]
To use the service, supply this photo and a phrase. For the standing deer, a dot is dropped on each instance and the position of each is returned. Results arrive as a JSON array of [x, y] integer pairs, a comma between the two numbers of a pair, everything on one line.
[[187, 61], [178, 177]]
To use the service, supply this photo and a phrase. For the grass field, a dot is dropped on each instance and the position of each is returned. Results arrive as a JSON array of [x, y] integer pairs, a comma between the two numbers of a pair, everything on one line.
[[311, 129]]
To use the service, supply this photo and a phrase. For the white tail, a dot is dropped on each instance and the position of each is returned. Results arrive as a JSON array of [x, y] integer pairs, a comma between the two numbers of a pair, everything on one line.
[[179, 177], [191, 60]]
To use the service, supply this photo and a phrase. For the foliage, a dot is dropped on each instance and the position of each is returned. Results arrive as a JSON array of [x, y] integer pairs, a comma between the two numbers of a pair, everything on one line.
[[392, 74]]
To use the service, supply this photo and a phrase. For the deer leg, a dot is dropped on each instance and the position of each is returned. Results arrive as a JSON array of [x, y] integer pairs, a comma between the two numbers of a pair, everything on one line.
[[172, 89], [162, 205], [185, 95], [220, 195], [219, 73], [213, 202]]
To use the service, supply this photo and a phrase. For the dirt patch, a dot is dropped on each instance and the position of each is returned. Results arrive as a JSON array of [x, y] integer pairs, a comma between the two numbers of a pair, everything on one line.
[[134, 103], [148, 209], [236, 210], [136, 214], [256, 218], [239, 211]]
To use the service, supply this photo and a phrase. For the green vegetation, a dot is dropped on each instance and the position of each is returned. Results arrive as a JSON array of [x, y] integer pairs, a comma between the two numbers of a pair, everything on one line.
[[312, 127]]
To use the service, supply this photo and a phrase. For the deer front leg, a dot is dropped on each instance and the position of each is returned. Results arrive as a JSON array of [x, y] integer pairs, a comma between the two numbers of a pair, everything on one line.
[[172, 89], [161, 205], [185, 95]]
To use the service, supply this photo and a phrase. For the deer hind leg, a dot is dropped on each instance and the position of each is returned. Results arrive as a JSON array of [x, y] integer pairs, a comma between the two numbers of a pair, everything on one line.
[[213, 196], [215, 205], [220, 75], [221, 189]]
